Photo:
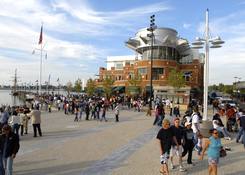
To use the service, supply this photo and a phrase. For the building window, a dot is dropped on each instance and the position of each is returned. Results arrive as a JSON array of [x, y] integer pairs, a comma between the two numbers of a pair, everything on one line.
[[187, 76], [156, 72], [119, 66], [142, 71]]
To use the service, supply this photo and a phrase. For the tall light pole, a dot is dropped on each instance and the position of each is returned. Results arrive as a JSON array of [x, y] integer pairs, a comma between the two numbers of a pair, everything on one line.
[[198, 44], [151, 35], [237, 79]]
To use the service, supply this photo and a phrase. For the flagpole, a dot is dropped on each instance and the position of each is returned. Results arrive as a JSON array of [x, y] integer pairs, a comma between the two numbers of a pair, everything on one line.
[[41, 62]]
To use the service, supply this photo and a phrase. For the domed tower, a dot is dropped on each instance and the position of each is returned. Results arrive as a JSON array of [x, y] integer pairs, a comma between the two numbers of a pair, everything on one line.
[[169, 51]]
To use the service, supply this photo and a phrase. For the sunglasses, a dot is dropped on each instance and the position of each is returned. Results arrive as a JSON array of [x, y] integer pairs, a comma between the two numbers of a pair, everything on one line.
[[215, 132]]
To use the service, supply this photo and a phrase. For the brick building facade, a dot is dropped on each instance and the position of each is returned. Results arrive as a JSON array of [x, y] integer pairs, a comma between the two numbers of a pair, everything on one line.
[[169, 52]]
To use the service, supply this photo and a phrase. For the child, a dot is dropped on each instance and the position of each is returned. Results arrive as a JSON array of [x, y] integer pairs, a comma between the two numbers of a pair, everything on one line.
[[198, 146]]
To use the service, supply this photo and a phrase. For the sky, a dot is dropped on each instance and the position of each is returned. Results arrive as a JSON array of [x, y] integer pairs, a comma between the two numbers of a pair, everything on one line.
[[79, 35]]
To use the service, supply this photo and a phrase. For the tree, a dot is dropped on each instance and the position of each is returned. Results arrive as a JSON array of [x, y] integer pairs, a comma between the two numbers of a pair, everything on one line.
[[90, 87], [107, 86], [134, 82], [176, 79], [78, 85], [69, 87]]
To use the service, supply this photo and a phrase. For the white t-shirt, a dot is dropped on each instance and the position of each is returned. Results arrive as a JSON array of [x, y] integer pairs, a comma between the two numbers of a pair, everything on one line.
[[215, 125], [195, 120]]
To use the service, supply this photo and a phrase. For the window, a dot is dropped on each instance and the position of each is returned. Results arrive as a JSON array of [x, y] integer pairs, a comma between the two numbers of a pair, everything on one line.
[[119, 66], [142, 71], [187, 76], [156, 72]]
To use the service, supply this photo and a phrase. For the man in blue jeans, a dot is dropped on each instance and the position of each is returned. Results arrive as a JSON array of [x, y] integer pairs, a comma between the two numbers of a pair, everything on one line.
[[241, 120], [9, 146]]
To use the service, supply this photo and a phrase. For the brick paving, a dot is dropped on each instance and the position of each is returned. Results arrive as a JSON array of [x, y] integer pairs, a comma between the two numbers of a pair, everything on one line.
[[92, 147]]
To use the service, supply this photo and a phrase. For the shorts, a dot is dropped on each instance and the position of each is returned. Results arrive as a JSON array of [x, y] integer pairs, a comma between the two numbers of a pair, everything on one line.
[[164, 158], [175, 151], [213, 161]]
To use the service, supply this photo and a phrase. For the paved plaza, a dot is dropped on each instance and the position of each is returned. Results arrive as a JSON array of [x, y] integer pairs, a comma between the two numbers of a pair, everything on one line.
[[102, 148]]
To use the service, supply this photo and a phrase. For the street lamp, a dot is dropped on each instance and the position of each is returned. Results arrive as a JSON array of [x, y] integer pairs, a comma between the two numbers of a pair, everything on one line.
[[151, 35], [198, 44], [237, 79]]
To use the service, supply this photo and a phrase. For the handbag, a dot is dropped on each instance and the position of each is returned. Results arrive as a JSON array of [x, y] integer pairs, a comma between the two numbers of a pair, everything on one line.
[[222, 152]]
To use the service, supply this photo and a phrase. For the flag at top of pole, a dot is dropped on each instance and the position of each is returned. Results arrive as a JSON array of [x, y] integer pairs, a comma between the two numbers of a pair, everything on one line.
[[41, 36]]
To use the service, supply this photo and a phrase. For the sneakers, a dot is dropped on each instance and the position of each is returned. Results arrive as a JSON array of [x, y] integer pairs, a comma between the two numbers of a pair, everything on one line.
[[182, 169], [191, 164], [171, 166], [227, 138]]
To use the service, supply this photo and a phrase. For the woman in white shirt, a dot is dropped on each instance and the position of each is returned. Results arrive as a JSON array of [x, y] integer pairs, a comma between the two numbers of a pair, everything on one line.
[[14, 122], [218, 124]]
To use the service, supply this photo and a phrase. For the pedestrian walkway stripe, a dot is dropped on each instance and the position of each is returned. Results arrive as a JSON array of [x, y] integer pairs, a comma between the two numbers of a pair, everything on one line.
[[114, 160]]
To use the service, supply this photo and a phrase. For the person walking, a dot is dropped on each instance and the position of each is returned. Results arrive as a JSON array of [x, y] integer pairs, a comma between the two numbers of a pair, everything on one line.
[[213, 145], [188, 142], [161, 114], [76, 114], [177, 149], [117, 112], [35, 115], [165, 137], [241, 121], [195, 124], [103, 113], [14, 121], [9, 146], [218, 124]]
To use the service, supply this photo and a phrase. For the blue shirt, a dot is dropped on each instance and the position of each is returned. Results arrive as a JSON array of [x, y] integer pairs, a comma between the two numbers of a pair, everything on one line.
[[214, 147]]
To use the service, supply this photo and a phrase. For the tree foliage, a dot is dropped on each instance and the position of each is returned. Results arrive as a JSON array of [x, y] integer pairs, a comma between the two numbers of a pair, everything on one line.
[[78, 85], [107, 86], [176, 79], [228, 89], [90, 87], [134, 85], [69, 87], [135, 80]]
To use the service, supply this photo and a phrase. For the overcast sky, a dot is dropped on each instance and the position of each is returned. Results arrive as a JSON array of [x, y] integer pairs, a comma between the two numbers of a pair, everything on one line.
[[80, 34]]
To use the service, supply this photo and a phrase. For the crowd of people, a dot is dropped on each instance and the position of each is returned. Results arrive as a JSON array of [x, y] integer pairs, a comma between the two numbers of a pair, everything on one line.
[[182, 135], [178, 137]]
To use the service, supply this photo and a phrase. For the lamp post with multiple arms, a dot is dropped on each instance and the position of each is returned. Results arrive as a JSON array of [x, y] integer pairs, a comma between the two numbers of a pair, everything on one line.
[[198, 44], [151, 35], [237, 79]]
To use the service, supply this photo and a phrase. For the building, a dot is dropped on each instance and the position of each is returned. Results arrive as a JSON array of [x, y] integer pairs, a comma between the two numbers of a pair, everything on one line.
[[169, 52]]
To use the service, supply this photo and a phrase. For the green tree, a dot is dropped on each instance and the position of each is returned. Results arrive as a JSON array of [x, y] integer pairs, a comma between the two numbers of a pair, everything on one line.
[[135, 80], [78, 85], [107, 86], [176, 79], [221, 87], [135, 83], [90, 87], [69, 87]]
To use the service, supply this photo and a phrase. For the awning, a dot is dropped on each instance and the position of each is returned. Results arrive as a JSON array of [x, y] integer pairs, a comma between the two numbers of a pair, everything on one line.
[[119, 89], [99, 90]]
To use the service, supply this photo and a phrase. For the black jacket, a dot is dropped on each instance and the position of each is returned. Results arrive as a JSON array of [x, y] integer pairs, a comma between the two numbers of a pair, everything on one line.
[[13, 144]]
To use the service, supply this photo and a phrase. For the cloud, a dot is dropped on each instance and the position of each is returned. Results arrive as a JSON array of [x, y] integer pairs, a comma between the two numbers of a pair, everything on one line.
[[65, 22], [186, 26]]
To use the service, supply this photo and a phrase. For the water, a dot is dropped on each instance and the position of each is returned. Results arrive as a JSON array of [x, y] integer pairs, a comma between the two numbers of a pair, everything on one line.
[[7, 99]]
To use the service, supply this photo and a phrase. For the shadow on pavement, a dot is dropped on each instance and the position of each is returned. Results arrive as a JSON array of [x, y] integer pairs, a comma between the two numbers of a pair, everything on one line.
[[65, 169]]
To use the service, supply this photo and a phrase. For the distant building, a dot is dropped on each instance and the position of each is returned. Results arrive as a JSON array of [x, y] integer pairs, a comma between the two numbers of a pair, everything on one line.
[[169, 52]]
